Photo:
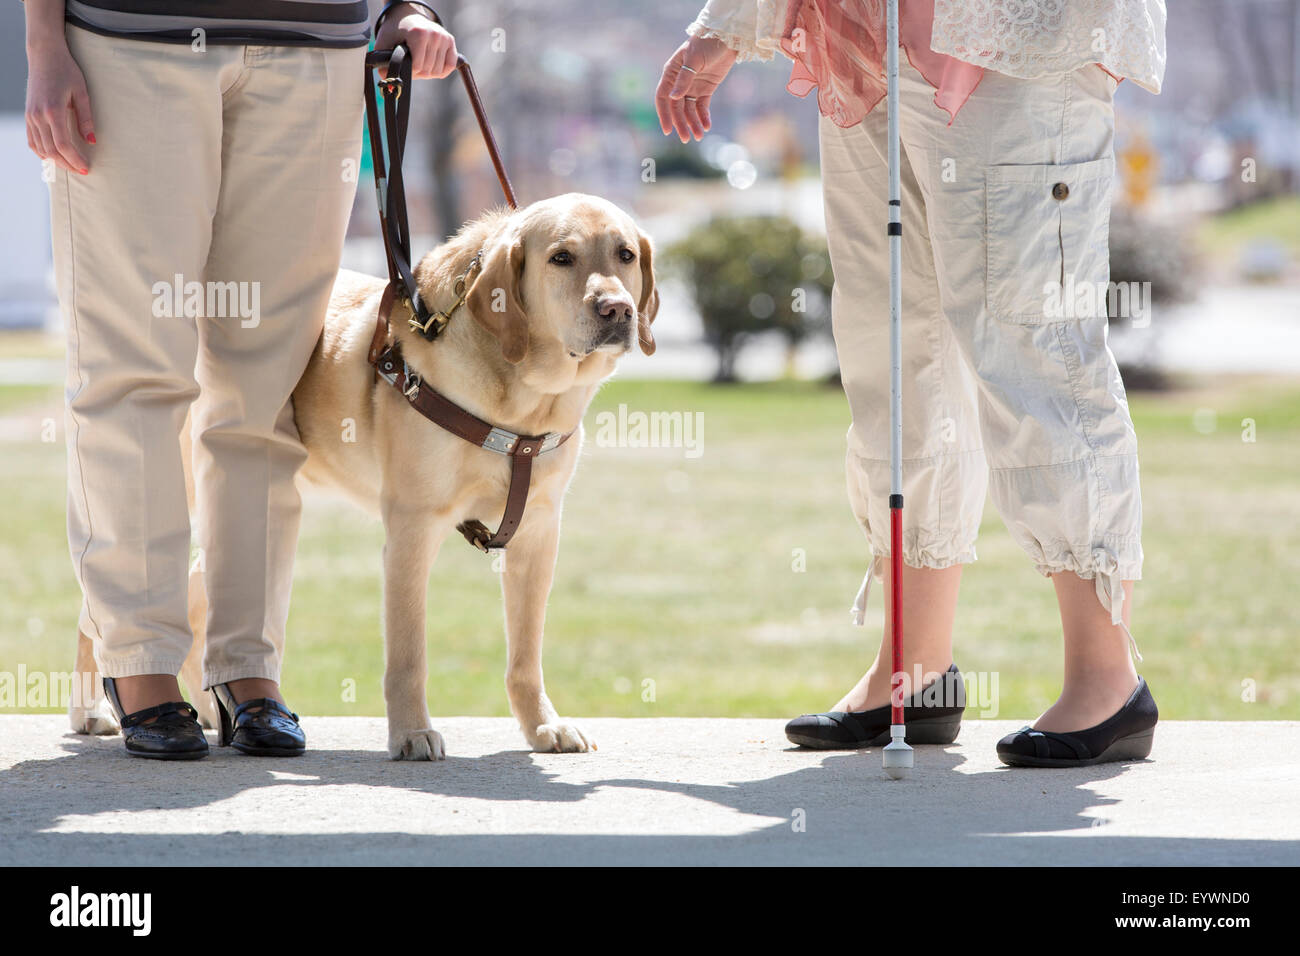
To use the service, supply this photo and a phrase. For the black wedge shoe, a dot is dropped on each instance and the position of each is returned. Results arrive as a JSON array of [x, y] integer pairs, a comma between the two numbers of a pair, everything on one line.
[[173, 731], [1126, 735], [932, 715], [260, 727]]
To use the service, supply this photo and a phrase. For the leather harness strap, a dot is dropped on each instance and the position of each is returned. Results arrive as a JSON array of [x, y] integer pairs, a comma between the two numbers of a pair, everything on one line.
[[386, 356], [387, 146], [520, 449]]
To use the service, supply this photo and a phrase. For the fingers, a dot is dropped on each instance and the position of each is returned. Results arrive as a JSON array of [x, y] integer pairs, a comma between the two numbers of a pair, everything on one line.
[[447, 57], [45, 146], [425, 55], [691, 112], [663, 102], [41, 138], [679, 120], [433, 52], [64, 144], [421, 53], [702, 106], [685, 118], [675, 108], [682, 84], [683, 102], [81, 114], [434, 57], [34, 143], [680, 126]]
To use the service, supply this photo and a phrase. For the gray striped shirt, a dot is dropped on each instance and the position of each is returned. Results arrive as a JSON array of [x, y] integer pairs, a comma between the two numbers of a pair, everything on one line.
[[327, 23]]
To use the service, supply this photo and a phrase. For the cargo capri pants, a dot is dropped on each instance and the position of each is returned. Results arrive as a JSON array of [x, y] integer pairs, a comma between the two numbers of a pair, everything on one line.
[[1006, 385]]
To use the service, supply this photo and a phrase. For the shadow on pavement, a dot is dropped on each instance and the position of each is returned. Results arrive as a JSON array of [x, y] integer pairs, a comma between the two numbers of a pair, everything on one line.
[[848, 815]]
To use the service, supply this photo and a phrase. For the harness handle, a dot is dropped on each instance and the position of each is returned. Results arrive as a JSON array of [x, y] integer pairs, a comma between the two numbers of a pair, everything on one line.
[[489, 140], [388, 147]]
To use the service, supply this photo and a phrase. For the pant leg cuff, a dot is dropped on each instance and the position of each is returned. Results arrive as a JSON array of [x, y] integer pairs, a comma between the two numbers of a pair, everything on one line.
[[225, 675], [923, 549], [125, 667], [936, 559], [1109, 566]]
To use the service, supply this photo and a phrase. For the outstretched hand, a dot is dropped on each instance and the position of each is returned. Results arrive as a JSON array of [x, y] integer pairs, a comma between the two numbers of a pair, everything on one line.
[[689, 79]]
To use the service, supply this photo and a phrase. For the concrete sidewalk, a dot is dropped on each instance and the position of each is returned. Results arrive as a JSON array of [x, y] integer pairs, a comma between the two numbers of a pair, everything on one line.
[[666, 791]]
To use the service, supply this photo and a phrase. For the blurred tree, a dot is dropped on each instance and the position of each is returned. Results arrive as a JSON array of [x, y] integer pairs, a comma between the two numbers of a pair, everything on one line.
[[753, 274]]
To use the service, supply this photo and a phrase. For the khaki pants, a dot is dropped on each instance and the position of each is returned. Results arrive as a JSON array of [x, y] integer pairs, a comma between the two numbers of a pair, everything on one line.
[[1002, 390], [221, 185]]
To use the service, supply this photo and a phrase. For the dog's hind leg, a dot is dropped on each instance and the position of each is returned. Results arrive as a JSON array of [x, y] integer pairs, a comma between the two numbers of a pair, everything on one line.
[[526, 583], [88, 710], [192, 670], [191, 676]]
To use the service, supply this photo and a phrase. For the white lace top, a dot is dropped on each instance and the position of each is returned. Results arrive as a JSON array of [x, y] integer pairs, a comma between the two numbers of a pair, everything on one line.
[[1024, 38]]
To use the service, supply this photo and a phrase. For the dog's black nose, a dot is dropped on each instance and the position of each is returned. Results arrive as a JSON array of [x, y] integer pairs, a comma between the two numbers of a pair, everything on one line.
[[614, 309]]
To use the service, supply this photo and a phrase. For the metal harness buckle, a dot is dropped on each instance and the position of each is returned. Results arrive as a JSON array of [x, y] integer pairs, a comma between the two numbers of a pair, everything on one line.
[[477, 534], [438, 320]]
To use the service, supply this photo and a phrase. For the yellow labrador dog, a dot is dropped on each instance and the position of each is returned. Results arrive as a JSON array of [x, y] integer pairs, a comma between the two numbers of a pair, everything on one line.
[[565, 287]]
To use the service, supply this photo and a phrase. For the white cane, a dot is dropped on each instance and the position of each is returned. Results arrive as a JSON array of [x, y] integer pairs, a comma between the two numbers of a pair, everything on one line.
[[897, 756]]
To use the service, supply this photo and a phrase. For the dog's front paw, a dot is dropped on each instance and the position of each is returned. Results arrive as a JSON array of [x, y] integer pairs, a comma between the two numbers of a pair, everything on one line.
[[559, 738], [416, 745], [97, 719]]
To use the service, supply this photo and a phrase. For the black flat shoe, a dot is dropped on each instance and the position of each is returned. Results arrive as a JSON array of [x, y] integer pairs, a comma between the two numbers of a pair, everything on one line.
[[932, 716], [260, 727], [1124, 736], [173, 732]]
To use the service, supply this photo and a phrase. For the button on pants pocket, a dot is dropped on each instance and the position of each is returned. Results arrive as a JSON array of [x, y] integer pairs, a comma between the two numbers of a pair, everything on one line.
[[1048, 229]]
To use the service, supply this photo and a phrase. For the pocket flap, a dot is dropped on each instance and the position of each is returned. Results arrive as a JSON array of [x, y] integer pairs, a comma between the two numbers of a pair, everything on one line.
[[1048, 225]]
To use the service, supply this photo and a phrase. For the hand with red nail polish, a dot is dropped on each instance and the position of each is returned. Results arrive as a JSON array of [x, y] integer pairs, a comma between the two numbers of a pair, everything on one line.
[[58, 105]]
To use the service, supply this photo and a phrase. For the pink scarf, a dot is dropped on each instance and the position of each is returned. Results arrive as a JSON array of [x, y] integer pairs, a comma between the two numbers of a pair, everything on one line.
[[838, 47]]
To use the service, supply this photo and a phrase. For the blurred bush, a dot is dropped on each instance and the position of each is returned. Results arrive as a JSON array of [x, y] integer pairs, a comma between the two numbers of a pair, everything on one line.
[[752, 274], [1144, 251], [677, 161], [1164, 255]]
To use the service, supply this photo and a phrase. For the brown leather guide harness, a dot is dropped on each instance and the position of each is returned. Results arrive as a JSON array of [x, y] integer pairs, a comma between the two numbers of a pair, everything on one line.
[[387, 145]]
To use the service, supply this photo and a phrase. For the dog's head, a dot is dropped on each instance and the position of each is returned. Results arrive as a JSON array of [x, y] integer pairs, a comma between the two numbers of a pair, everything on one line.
[[567, 280]]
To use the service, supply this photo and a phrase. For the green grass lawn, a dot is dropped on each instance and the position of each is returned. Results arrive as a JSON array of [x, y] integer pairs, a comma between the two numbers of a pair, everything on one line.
[[1277, 219], [678, 571]]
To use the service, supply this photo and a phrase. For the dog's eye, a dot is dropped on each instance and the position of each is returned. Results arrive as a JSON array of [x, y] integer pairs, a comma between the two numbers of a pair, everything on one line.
[[562, 259], [627, 255]]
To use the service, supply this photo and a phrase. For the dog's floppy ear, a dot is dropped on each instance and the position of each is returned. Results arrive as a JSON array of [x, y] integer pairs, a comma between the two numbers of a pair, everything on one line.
[[494, 299], [648, 307]]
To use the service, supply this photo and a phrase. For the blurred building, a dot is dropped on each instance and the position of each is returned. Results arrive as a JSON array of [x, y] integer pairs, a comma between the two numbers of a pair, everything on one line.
[[26, 296]]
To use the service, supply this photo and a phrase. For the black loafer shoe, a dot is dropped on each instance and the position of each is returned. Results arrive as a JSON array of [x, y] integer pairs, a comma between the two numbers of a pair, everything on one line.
[[1125, 736], [172, 732], [932, 716], [260, 727]]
